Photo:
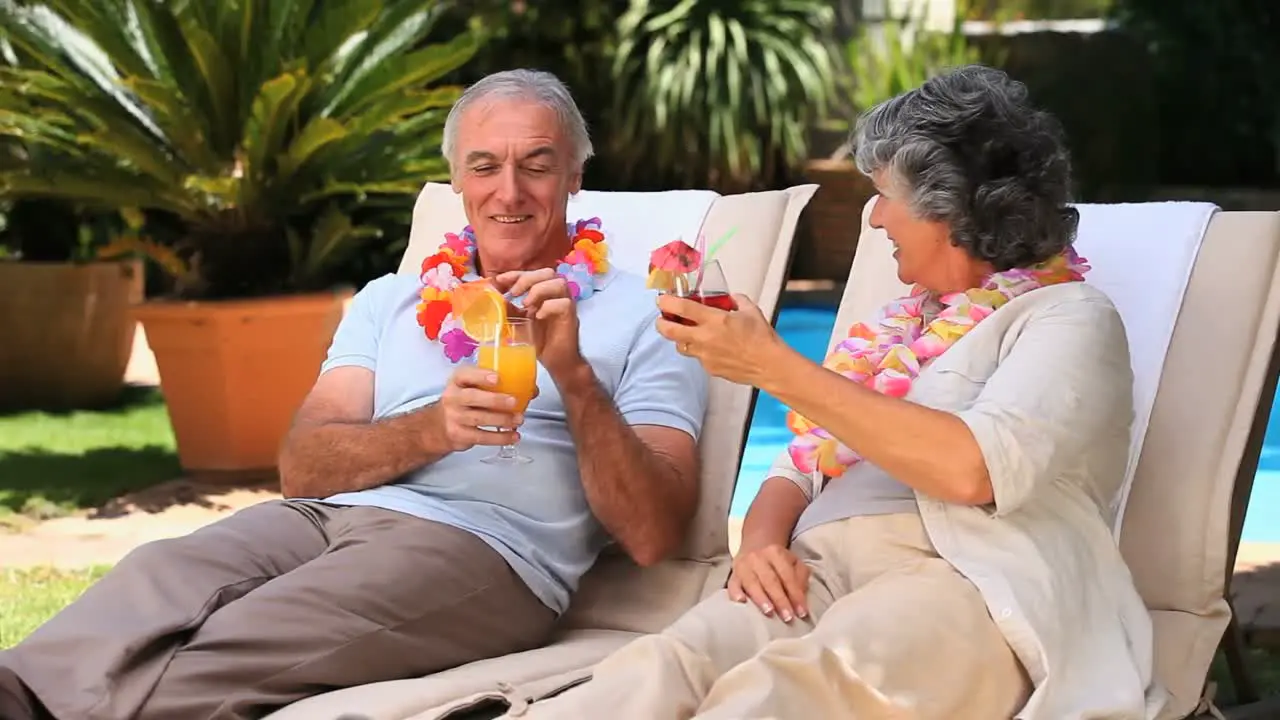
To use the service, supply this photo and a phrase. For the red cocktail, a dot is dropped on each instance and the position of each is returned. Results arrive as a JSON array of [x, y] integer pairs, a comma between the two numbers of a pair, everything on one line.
[[717, 299]]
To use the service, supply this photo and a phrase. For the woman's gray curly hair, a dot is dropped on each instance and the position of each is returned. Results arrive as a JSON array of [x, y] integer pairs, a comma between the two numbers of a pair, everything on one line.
[[969, 150]]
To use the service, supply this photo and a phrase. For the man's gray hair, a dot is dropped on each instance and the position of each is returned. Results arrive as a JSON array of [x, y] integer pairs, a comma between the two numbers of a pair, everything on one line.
[[535, 86], [968, 149]]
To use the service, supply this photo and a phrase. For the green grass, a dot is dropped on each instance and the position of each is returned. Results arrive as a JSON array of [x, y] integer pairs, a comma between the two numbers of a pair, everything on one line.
[[29, 597], [52, 464], [1264, 668]]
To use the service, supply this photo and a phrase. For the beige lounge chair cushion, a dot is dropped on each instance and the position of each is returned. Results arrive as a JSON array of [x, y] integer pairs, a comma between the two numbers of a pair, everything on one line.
[[1175, 533], [616, 599]]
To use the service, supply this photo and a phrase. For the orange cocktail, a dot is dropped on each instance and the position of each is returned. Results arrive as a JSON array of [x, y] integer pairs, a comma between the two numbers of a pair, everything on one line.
[[512, 356], [517, 369]]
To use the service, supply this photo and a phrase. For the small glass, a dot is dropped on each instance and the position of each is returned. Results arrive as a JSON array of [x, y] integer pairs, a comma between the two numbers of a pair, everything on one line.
[[514, 358], [705, 284]]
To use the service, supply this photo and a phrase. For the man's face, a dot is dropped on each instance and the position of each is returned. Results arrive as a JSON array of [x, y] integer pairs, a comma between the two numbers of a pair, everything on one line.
[[514, 167]]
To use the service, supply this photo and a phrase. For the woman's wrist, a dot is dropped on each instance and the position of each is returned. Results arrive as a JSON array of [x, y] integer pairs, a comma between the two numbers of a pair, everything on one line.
[[773, 515], [759, 540], [777, 365]]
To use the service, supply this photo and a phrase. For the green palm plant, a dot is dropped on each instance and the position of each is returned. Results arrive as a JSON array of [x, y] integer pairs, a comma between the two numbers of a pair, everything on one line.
[[720, 93], [900, 54], [256, 137]]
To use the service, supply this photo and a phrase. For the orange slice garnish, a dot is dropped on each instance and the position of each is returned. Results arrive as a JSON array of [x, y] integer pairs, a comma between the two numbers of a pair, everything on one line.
[[480, 310], [667, 281]]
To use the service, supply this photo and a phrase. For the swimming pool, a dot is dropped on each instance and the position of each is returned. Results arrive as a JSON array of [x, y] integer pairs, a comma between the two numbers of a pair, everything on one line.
[[806, 327]]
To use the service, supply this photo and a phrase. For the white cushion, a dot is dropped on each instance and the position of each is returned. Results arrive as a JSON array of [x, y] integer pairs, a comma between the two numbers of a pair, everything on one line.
[[1142, 256]]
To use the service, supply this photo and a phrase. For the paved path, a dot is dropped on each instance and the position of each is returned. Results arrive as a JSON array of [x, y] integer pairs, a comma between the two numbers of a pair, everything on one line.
[[86, 540], [142, 363]]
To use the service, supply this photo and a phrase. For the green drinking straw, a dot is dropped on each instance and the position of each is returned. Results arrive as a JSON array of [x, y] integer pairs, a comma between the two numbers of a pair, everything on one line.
[[715, 247]]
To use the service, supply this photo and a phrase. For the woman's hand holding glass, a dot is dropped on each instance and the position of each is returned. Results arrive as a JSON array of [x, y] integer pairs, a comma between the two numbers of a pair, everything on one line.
[[705, 285], [740, 346]]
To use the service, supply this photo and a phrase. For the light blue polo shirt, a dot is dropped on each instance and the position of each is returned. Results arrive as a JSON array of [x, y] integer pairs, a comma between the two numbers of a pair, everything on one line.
[[536, 514]]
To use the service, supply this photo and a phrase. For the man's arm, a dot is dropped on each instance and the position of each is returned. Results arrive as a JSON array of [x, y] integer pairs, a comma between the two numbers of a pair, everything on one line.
[[637, 450], [642, 481], [334, 445]]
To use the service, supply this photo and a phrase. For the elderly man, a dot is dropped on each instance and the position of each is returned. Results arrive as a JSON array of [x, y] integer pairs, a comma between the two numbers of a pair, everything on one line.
[[400, 552]]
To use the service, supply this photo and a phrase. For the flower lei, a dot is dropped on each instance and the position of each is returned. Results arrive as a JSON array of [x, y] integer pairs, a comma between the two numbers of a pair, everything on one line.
[[443, 271], [888, 357]]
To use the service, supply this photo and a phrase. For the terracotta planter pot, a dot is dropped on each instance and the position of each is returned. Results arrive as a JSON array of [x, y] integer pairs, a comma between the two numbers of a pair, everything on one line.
[[68, 332], [234, 372], [829, 228]]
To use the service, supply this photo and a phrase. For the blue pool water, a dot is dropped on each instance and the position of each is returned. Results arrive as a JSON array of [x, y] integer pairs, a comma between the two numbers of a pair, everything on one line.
[[807, 327]]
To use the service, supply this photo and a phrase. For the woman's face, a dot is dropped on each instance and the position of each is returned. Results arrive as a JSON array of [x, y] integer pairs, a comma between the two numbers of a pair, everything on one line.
[[922, 248]]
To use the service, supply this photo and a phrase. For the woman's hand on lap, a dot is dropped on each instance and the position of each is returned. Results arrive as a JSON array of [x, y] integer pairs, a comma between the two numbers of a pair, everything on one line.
[[773, 579]]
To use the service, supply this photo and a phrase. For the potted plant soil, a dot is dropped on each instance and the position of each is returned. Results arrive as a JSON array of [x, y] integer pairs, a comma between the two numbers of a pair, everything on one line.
[[255, 149], [68, 329]]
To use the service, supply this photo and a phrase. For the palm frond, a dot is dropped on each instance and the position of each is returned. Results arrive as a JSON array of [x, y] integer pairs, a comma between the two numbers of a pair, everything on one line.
[[726, 88], [250, 121]]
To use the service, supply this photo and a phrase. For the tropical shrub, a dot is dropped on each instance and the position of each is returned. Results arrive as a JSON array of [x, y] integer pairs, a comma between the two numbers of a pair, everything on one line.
[[258, 140], [719, 93]]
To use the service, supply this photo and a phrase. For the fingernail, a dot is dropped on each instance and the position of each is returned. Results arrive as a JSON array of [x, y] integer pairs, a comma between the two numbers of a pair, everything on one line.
[[511, 402], [786, 616], [491, 379], [802, 613], [767, 609], [519, 419]]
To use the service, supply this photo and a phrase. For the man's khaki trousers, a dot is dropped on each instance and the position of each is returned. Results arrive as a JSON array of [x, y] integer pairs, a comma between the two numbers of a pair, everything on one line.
[[278, 602]]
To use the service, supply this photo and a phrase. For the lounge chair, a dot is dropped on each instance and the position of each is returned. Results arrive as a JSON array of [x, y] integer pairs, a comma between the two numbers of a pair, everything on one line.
[[617, 600], [1190, 485], [1180, 526]]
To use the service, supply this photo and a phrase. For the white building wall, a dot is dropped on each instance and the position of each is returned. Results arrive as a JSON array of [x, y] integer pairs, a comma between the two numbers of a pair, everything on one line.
[[939, 15]]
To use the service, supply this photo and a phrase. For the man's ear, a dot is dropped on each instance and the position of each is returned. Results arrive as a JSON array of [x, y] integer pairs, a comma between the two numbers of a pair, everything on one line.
[[575, 182]]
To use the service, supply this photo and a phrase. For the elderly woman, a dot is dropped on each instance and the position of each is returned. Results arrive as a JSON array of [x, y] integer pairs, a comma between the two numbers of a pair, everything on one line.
[[935, 542]]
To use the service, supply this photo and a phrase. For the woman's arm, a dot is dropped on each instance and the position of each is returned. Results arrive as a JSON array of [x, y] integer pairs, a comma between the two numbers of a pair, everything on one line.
[[1065, 383], [764, 569], [929, 450], [772, 515]]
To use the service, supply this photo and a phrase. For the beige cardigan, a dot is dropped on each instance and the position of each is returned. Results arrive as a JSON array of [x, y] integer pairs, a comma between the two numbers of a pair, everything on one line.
[[1045, 386]]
